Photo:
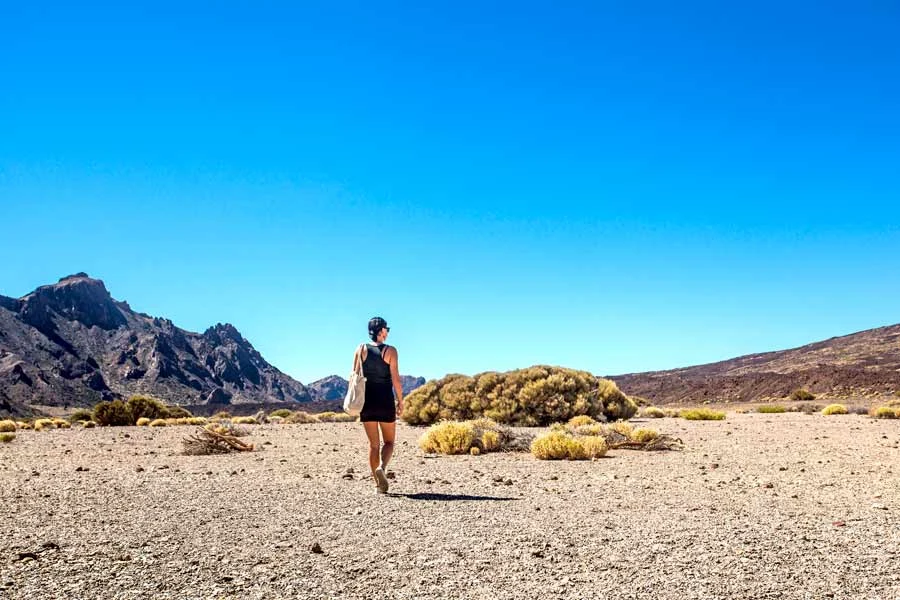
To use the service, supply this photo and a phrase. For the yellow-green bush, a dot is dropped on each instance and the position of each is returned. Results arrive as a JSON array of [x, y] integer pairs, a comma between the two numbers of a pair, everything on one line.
[[42, 424], [580, 420], [88, 424], [300, 417], [594, 447], [835, 409], [653, 412], [702, 414], [141, 406], [622, 428], [143, 422], [7, 426], [245, 421], [7, 437], [112, 413], [80, 415], [884, 412], [24, 425], [449, 437], [596, 429], [281, 412], [276, 420], [531, 397], [620, 408], [158, 423], [62, 424], [771, 409], [335, 417], [556, 445], [802, 395], [221, 415], [643, 435]]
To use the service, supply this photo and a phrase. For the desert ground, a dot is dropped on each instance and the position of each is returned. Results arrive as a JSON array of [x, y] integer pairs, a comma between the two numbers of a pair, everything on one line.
[[756, 506]]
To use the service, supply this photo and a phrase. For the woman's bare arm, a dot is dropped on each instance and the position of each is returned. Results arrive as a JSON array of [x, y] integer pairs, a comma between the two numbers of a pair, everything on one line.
[[390, 358]]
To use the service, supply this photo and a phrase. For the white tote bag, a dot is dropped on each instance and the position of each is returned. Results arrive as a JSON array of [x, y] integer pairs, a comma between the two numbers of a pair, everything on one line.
[[356, 390]]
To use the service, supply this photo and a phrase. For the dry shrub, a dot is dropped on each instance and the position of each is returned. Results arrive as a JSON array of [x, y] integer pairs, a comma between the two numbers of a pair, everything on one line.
[[88, 424], [7, 426], [857, 410], [335, 417], [594, 447], [672, 413], [24, 425], [802, 395], [771, 409], [620, 408], [143, 422], [643, 435], [702, 414], [276, 420], [281, 412], [557, 445], [80, 415], [7, 437], [449, 437], [622, 428], [884, 412], [300, 417], [62, 424], [597, 429], [159, 423], [245, 421], [42, 424], [211, 440], [534, 396], [474, 451], [227, 429], [835, 409], [653, 412], [197, 421], [580, 420], [221, 416]]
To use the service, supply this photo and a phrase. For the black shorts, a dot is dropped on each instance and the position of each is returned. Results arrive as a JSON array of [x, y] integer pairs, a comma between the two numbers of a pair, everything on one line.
[[379, 405]]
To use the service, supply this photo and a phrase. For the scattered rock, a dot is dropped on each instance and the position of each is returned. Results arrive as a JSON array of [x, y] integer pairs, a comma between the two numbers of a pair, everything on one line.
[[316, 548]]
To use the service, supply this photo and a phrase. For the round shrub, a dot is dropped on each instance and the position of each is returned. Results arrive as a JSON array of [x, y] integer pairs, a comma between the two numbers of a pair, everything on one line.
[[281, 412], [143, 422], [802, 395], [112, 413], [88, 424], [300, 417], [884, 412], [594, 447], [42, 424], [622, 428], [620, 408], [771, 409], [335, 417], [580, 420], [835, 409], [245, 421], [450, 437], [80, 415], [24, 425], [474, 451], [702, 414], [62, 424], [534, 396], [221, 415], [643, 435], [653, 412], [7, 437], [158, 423], [556, 445], [7, 426]]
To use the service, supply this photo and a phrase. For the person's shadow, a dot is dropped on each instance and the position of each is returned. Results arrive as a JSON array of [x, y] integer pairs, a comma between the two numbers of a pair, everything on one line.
[[449, 497]]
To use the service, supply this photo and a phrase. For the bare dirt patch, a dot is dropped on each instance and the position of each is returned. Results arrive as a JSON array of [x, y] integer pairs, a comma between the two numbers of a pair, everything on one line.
[[757, 506]]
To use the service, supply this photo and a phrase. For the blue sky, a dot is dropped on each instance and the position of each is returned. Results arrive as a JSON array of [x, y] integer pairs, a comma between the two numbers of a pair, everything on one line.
[[616, 187]]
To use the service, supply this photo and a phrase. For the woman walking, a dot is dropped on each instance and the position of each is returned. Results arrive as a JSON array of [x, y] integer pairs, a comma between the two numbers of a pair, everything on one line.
[[384, 398]]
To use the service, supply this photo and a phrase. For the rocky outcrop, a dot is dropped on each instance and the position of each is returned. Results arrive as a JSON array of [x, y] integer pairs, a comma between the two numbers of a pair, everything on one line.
[[72, 344]]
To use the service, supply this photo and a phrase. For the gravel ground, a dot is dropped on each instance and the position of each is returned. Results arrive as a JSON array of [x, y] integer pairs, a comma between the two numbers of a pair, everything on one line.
[[757, 506]]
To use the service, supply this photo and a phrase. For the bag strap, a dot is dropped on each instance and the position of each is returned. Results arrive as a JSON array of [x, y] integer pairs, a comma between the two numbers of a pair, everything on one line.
[[360, 357]]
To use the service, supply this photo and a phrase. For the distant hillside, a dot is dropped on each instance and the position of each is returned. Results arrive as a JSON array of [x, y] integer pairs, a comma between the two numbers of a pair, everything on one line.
[[862, 364], [72, 344], [334, 388]]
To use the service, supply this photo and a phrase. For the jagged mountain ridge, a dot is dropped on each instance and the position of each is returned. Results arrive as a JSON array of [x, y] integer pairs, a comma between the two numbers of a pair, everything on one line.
[[71, 343], [866, 363]]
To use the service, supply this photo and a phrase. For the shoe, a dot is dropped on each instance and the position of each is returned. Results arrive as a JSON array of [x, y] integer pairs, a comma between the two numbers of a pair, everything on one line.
[[382, 480]]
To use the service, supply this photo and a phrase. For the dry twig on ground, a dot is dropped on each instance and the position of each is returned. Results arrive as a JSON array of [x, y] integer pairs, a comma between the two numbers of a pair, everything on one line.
[[205, 441]]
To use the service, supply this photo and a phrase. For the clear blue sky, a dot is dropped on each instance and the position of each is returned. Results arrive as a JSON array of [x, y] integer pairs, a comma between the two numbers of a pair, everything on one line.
[[617, 187]]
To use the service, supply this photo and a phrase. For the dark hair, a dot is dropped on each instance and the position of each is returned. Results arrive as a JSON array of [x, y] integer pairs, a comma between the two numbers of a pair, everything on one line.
[[376, 324]]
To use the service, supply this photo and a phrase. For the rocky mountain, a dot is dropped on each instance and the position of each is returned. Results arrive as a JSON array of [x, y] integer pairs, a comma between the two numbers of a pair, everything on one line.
[[72, 344], [862, 364], [333, 388]]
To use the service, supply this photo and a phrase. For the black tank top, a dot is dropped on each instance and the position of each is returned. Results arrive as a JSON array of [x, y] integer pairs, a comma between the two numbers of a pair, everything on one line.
[[375, 368]]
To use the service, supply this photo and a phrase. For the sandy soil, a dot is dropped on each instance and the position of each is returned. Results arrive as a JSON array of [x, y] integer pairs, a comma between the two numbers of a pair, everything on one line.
[[757, 506]]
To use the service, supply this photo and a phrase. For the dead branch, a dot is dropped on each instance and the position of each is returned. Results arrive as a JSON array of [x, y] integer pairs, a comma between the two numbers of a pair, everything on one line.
[[206, 441]]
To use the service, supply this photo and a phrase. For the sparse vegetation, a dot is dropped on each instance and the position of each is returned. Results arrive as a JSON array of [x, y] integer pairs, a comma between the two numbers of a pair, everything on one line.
[[88, 424], [802, 395], [114, 413], [885, 412], [159, 423], [643, 435], [80, 415], [857, 410], [335, 417], [221, 415], [449, 437], [702, 414], [622, 428], [143, 422], [281, 412], [531, 397], [653, 412], [24, 425], [580, 420], [244, 421], [62, 424], [7, 426], [214, 439], [593, 447], [299, 417], [557, 445], [771, 409], [835, 409], [42, 424], [7, 437]]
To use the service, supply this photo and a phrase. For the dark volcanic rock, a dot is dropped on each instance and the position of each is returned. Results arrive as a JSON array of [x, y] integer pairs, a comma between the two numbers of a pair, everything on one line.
[[72, 344], [864, 363]]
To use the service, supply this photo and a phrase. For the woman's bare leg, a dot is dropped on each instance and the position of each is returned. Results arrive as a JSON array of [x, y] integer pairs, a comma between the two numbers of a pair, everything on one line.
[[389, 433], [374, 445]]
